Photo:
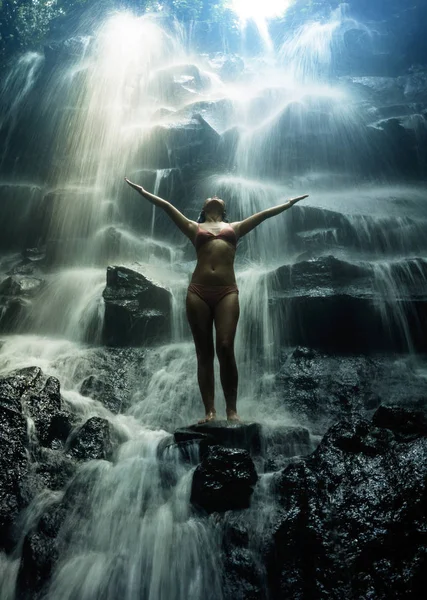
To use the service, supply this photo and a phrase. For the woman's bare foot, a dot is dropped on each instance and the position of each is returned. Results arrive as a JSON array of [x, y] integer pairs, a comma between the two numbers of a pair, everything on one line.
[[232, 416], [210, 416]]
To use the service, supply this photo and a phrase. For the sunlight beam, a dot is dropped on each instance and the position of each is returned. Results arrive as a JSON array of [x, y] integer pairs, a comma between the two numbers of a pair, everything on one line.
[[259, 10]]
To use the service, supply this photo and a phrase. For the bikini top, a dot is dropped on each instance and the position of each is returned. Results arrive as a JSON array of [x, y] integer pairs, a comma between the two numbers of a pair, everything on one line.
[[227, 234]]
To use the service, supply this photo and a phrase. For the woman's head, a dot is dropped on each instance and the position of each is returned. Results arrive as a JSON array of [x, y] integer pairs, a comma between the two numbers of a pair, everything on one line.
[[215, 208]]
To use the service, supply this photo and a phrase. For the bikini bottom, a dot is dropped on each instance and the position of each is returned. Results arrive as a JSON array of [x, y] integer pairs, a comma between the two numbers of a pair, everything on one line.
[[212, 294]]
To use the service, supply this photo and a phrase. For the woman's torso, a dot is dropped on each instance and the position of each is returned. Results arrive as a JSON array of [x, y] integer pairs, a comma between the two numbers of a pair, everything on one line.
[[216, 249]]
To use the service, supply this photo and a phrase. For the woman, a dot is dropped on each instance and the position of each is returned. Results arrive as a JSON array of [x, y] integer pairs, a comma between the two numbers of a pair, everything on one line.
[[212, 295]]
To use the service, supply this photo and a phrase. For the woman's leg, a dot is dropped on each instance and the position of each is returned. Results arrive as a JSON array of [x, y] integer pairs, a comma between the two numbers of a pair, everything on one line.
[[200, 318], [226, 316]]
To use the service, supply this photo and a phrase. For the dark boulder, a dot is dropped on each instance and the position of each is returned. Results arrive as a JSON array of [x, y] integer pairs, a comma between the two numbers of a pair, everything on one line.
[[13, 471], [405, 424], [242, 573], [354, 517], [12, 312], [45, 407], [18, 285], [137, 311], [280, 443], [217, 114], [348, 297], [16, 292], [53, 468], [224, 480], [14, 459], [321, 388], [178, 83], [94, 440], [19, 216], [40, 552], [103, 391], [179, 141]]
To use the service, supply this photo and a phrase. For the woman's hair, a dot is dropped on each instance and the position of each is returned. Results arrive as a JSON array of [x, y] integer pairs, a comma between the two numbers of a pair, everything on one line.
[[202, 217]]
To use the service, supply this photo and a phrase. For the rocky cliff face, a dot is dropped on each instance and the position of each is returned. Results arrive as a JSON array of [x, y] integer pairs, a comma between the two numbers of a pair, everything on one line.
[[347, 518]]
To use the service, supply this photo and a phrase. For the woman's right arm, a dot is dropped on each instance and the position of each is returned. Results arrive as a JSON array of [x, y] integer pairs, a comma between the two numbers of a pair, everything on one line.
[[187, 227]]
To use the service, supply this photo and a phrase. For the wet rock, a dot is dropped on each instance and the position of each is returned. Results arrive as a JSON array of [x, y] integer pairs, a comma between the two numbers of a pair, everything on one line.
[[13, 471], [25, 470], [218, 114], [19, 215], [323, 272], [103, 391], [321, 388], [384, 90], [14, 460], [415, 84], [20, 286], [232, 68], [53, 468], [38, 557], [224, 433], [40, 553], [243, 576], [178, 82], [190, 451], [335, 289], [17, 382], [282, 442], [137, 311], [180, 141], [12, 312], [45, 408], [405, 424], [224, 480], [316, 230], [15, 294], [353, 517], [94, 440]]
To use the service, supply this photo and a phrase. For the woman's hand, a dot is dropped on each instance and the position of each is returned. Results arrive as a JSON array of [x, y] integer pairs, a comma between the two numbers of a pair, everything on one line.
[[293, 201], [136, 187]]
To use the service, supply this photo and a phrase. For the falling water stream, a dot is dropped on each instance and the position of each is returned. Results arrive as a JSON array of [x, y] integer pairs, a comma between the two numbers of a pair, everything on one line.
[[131, 533]]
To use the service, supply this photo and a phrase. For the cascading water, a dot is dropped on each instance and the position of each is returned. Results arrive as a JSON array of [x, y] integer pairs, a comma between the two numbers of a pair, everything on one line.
[[288, 127], [16, 87]]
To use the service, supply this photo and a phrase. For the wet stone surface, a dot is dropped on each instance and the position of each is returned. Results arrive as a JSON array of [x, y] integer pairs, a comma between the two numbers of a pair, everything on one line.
[[354, 515], [247, 436], [224, 480], [136, 310], [94, 440]]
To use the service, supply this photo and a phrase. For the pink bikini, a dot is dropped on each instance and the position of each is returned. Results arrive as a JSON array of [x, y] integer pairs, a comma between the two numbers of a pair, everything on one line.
[[227, 234], [212, 294]]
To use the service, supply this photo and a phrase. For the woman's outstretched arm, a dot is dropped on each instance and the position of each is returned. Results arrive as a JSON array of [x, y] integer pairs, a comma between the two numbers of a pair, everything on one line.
[[243, 227], [187, 226]]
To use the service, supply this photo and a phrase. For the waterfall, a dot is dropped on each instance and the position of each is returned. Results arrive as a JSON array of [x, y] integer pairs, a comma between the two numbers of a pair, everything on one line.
[[142, 542], [136, 102], [14, 92]]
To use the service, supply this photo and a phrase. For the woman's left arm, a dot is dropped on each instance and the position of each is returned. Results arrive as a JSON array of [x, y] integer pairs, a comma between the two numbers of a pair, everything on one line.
[[243, 227]]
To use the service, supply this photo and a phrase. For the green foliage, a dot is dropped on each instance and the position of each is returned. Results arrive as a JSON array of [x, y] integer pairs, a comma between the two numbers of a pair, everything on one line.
[[26, 24]]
